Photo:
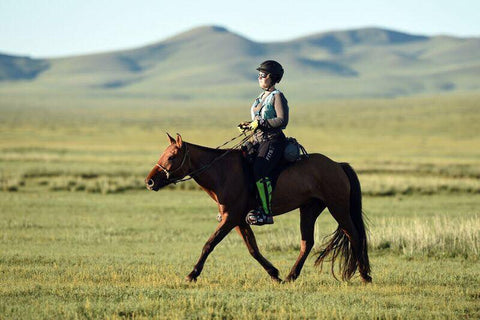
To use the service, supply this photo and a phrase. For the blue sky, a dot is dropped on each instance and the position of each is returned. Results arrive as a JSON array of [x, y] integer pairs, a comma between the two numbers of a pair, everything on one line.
[[55, 28]]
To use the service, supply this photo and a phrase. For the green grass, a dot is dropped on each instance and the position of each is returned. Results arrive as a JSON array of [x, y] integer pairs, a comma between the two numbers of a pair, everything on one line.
[[401, 146], [82, 255], [80, 237]]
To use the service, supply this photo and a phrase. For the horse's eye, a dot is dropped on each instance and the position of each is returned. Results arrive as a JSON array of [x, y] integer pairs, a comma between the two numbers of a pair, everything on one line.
[[171, 158]]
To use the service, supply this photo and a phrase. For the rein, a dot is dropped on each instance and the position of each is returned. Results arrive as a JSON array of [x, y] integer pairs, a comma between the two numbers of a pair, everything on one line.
[[208, 165]]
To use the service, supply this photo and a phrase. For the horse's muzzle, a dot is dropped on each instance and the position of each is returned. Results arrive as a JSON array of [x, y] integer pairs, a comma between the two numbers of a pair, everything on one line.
[[155, 184], [150, 184]]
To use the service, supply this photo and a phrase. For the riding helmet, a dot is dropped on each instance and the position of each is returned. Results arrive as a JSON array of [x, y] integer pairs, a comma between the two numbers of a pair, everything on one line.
[[272, 67]]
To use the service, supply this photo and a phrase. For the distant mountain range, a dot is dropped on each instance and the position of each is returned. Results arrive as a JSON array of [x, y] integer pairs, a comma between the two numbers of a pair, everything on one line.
[[211, 62]]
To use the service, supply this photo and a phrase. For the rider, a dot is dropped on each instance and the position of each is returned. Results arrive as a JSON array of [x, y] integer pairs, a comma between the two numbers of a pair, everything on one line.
[[269, 117]]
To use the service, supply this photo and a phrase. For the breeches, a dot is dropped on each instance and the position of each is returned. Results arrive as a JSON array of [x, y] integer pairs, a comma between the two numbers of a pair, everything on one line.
[[269, 154]]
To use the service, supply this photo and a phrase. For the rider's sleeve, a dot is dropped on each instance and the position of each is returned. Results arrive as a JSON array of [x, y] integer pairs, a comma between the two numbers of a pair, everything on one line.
[[281, 109]]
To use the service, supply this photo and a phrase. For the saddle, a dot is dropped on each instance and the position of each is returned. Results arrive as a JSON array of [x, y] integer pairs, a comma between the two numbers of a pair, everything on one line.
[[293, 152]]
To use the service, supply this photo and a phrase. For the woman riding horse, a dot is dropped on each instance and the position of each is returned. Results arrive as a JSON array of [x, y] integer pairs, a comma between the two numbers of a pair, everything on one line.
[[311, 185], [269, 117]]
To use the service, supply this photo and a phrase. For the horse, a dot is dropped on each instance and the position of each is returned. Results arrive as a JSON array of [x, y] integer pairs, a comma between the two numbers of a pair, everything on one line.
[[311, 184]]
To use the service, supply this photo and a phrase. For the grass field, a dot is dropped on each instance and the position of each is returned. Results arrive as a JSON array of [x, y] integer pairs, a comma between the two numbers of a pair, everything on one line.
[[81, 255], [82, 238]]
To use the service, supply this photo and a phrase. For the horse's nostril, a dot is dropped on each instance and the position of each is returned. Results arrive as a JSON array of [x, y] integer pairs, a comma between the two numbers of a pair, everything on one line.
[[150, 183]]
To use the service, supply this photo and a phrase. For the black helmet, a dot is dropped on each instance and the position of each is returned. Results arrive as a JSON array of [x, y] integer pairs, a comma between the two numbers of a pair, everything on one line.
[[272, 67]]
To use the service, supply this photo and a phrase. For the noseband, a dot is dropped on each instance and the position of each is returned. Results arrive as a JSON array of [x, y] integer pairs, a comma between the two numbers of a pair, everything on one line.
[[180, 167]]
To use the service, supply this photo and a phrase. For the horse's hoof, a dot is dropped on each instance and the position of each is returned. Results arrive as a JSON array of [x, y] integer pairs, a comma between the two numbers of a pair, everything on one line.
[[366, 279], [290, 278], [277, 279], [191, 278]]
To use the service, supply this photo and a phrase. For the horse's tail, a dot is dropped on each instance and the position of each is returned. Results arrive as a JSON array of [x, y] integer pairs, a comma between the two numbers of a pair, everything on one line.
[[339, 244]]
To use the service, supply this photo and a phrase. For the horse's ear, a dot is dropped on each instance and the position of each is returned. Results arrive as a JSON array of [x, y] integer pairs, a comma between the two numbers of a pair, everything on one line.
[[170, 139], [179, 140]]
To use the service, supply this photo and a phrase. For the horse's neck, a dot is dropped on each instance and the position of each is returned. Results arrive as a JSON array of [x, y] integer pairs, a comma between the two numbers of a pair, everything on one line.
[[203, 158]]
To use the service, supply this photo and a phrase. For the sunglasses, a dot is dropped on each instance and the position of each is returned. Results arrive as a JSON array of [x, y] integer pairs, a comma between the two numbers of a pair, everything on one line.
[[262, 75]]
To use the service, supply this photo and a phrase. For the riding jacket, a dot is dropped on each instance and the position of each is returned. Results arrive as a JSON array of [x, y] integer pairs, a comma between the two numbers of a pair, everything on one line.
[[272, 116]]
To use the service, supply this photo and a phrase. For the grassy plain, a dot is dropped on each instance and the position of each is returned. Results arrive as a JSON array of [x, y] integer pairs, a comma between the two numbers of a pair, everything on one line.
[[81, 238], [87, 255]]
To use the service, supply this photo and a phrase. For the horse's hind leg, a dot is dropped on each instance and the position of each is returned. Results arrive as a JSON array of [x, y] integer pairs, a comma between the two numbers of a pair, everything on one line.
[[308, 215], [247, 234]]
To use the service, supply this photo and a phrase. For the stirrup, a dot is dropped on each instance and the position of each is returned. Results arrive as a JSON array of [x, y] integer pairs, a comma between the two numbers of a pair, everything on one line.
[[258, 218]]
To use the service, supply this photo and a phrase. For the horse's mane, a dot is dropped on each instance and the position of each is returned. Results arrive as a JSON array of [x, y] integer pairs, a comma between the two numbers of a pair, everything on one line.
[[213, 150]]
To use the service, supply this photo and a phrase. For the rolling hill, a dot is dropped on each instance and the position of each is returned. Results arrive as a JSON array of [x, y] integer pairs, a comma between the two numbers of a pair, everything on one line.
[[211, 63]]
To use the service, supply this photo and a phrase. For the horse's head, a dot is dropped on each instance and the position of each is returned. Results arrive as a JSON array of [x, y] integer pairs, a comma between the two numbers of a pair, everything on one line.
[[170, 167]]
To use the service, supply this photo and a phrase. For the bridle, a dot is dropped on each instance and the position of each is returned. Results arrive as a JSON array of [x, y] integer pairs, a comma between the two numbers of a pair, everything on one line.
[[208, 165], [167, 172]]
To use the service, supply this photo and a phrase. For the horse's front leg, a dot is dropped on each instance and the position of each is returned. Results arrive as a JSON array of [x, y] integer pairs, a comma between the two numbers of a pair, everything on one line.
[[247, 234], [222, 230]]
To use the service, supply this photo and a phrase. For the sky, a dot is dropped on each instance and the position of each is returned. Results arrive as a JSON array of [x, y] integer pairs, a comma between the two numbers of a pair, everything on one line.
[[56, 28]]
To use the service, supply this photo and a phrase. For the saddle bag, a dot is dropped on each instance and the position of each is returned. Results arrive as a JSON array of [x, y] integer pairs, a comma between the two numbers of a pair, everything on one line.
[[294, 151]]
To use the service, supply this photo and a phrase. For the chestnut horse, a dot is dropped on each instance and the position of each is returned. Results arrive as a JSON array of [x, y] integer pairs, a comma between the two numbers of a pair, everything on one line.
[[311, 184]]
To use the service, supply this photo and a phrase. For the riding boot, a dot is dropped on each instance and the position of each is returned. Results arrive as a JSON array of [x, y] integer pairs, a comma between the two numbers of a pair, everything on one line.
[[262, 215]]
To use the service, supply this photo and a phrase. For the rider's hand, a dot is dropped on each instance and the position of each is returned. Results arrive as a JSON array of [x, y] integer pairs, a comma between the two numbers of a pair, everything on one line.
[[253, 125], [244, 126]]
